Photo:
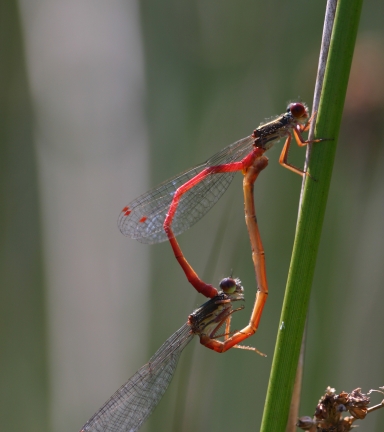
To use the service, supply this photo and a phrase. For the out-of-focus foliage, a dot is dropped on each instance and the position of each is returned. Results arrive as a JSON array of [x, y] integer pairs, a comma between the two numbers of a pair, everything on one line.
[[23, 358], [212, 72]]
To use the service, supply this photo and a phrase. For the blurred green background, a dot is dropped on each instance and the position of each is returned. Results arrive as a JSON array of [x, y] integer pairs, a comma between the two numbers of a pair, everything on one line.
[[102, 100]]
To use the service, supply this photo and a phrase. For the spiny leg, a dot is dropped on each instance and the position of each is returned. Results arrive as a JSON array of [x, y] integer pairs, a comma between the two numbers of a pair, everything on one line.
[[301, 142]]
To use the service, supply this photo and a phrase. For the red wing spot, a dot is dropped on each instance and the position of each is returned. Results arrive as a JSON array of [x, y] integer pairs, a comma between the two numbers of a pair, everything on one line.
[[125, 209], [143, 219], [127, 213]]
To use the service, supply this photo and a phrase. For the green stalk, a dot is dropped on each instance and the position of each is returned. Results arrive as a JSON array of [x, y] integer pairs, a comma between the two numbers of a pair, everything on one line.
[[311, 217]]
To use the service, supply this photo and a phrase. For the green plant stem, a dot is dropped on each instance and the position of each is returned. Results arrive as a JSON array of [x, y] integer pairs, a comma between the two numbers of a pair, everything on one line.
[[311, 217]]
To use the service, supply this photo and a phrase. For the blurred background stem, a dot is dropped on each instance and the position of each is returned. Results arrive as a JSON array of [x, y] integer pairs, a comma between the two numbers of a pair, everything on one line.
[[24, 399]]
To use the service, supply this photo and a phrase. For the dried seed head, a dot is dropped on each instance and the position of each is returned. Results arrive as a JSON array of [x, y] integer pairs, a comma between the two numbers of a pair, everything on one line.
[[328, 414]]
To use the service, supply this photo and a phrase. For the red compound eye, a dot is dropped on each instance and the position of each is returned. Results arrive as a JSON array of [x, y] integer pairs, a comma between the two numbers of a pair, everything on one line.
[[298, 110]]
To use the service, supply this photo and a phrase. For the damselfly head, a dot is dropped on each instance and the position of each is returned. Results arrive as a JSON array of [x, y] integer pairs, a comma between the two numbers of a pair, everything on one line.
[[298, 110]]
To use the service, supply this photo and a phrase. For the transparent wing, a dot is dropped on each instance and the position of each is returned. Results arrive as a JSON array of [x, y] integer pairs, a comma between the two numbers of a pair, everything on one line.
[[143, 218], [134, 402]]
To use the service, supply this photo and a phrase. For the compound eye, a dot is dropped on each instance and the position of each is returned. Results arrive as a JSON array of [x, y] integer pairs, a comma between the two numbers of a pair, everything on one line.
[[298, 110], [228, 285]]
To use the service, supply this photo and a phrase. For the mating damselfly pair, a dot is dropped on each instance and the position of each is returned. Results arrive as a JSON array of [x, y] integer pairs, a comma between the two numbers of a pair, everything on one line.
[[172, 208]]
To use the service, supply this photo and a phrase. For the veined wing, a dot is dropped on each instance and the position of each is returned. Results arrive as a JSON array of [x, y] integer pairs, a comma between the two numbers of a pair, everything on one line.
[[143, 218], [134, 402]]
